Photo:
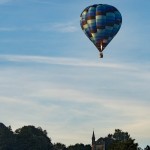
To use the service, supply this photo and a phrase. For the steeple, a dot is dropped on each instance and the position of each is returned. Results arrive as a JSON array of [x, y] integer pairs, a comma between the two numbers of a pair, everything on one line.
[[93, 138]]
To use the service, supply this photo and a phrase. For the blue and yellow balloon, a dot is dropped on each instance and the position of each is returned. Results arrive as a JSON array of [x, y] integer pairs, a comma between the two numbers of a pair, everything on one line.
[[100, 23]]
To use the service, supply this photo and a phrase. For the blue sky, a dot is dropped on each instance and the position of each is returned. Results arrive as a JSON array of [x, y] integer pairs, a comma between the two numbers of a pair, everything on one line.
[[51, 75]]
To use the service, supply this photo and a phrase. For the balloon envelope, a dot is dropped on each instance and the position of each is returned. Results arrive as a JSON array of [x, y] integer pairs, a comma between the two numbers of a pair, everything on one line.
[[100, 23]]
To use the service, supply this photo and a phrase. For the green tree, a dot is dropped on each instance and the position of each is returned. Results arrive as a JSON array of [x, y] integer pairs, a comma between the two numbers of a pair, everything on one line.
[[147, 147], [79, 147], [7, 140], [87, 147], [59, 146], [122, 141], [31, 138]]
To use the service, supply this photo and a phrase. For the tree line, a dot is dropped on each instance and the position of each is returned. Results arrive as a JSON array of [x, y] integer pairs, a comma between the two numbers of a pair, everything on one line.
[[32, 138]]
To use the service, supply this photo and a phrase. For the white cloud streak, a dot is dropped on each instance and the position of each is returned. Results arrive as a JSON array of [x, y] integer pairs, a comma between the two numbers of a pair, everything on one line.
[[60, 27], [14, 29], [49, 27], [4, 1], [60, 61], [5, 29]]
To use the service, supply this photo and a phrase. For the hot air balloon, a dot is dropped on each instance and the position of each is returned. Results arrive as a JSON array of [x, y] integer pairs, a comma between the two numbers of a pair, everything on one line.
[[100, 23]]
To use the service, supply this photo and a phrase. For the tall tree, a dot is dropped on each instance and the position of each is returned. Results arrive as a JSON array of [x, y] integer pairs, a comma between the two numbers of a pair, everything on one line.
[[122, 141], [31, 138], [7, 139]]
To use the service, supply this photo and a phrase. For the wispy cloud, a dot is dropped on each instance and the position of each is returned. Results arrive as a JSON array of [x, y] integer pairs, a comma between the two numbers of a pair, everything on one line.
[[16, 28], [59, 61], [5, 1], [49, 27], [44, 2], [60, 27], [65, 27], [47, 97], [8, 29]]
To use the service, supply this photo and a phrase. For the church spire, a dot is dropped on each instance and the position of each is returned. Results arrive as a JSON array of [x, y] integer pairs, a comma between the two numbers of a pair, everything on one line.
[[93, 138]]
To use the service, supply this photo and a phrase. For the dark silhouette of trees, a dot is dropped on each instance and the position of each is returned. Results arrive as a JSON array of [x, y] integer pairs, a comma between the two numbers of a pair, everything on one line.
[[139, 148], [147, 147], [79, 147], [32, 138], [120, 140], [25, 138], [59, 146], [6, 138]]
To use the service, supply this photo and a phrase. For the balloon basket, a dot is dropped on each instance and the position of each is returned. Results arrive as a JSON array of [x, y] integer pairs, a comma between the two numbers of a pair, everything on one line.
[[101, 55]]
